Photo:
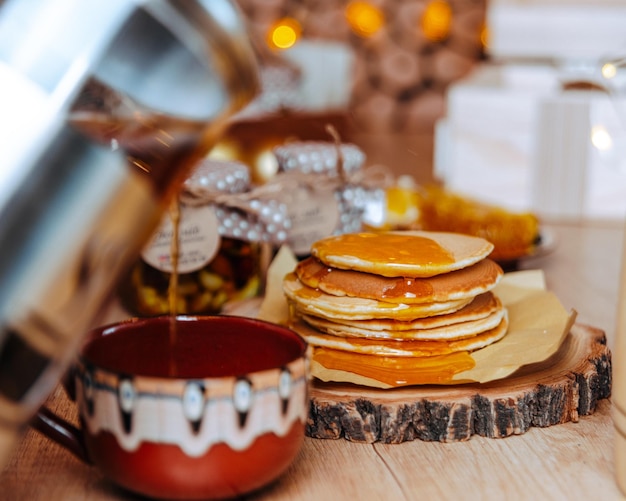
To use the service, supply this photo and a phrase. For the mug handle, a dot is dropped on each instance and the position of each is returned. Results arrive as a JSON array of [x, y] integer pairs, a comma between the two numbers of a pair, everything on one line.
[[60, 430]]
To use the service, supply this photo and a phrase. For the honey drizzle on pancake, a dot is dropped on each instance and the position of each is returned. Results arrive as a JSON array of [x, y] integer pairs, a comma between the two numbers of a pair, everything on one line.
[[407, 287], [393, 290], [396, 371], [309, 293], [385, 248]]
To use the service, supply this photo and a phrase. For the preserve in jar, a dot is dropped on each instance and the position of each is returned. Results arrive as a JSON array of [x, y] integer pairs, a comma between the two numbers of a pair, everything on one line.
[[220, 233]]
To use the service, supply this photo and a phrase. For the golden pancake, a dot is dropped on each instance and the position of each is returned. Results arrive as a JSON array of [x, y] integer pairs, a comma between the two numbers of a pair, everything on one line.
[[481, 306], [307, 300], [460, 284], [403, 253], [451, 331], [402, 348]]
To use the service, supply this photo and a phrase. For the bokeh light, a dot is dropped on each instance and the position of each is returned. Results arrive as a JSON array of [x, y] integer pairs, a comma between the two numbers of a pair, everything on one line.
[[224, 150], [484, 36], [609, 70], [265, 166], [364, 18], [284, 33], [601, 138], [436, 21]]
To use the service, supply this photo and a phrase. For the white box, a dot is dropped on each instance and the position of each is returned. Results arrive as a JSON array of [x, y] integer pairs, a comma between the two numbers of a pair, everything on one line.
[[513, 138]]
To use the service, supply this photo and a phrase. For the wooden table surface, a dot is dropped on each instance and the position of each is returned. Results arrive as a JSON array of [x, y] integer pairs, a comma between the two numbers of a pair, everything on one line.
[[569, 461]]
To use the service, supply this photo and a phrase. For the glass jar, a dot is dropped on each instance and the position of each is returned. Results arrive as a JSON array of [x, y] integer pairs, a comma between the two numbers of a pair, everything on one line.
[[330, 192], [221, 232]]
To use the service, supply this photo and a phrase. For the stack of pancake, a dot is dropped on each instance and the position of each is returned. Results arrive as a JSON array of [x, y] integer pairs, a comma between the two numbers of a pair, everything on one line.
[[396, 308]]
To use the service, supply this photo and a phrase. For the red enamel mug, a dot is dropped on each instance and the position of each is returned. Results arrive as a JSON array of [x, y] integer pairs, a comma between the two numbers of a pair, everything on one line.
[[212, 408]]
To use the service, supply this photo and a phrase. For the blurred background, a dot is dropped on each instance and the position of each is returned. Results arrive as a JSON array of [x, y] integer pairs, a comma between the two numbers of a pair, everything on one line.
[[509, 101]]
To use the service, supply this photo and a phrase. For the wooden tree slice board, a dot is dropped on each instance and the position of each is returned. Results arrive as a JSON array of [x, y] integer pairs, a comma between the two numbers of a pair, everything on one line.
[[557, 390], [560, 389]]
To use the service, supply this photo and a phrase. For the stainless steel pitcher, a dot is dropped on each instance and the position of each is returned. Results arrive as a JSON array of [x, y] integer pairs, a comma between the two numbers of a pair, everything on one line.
[[104, 106]]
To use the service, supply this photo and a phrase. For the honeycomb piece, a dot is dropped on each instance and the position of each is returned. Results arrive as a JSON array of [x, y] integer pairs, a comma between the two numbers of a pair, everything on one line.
[[514, 235], [433, 208]]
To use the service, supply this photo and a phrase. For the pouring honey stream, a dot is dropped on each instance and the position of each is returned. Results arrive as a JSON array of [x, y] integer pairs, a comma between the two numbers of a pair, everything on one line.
[[172, 290], [153, 142]]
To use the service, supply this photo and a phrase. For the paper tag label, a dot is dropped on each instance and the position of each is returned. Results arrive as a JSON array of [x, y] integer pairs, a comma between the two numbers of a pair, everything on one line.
[[314, 215], [199, 240]]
